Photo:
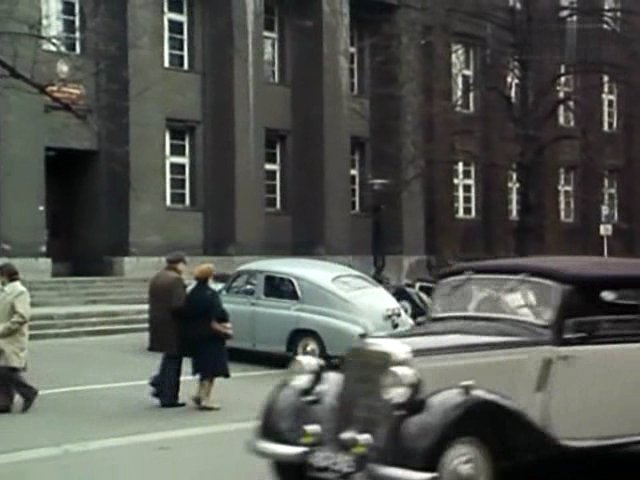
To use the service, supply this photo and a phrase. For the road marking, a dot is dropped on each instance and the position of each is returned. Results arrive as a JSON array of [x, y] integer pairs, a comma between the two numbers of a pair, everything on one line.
[[82, 447], [105, 386]]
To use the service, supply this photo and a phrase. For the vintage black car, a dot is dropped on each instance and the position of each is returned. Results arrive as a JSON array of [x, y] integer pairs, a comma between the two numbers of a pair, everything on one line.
[[415, 303], [520, 359]]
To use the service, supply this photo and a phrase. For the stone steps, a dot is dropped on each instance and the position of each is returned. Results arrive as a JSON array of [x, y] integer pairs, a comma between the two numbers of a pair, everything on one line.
[[88, 306], [71, 300], [87, 320], [73, 332]]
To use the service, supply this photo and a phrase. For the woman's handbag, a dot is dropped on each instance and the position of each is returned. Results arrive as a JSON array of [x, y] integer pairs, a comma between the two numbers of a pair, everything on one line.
[[225, 330]]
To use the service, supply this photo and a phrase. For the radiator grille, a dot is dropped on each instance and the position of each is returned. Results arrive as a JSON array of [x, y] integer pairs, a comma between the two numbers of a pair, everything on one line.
[[360, 406]]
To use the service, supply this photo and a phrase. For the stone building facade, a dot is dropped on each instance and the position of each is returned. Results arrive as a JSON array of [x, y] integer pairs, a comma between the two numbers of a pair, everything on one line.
[[239, 128]]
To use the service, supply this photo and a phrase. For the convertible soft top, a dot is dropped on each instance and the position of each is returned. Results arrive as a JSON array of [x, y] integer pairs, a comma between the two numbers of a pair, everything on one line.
[[583, 270]]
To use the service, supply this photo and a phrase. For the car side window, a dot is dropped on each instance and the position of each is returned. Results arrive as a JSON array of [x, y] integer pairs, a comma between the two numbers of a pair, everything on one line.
[[607, 316], [244, 284], [280, 288]]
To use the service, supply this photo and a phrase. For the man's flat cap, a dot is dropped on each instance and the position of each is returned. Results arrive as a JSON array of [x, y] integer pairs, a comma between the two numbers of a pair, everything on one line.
[[176, 257]]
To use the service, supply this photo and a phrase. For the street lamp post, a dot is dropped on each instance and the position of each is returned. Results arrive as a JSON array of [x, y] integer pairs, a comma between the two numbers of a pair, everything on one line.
[[377, 186]]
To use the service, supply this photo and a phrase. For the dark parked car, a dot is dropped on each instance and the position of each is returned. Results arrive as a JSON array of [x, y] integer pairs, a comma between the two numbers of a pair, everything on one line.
[[521, 359], [413, 301]]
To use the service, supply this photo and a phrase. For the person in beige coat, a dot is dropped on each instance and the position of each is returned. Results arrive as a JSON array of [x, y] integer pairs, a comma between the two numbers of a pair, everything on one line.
[[15, 313]]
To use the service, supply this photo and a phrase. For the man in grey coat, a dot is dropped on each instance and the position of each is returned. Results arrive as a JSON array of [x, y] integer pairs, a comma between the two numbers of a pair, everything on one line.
[[166, 301], [15, 313]]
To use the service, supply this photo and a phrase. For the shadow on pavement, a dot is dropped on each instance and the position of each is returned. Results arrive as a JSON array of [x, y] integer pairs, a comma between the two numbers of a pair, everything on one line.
[[618, 465], [256, 358]]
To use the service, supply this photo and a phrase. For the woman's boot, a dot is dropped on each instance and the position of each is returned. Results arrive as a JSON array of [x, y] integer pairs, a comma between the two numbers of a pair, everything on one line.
[[205, 400], [201, 393]]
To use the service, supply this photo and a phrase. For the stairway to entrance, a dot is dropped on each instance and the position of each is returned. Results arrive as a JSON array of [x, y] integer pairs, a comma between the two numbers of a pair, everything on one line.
[[75, 307]]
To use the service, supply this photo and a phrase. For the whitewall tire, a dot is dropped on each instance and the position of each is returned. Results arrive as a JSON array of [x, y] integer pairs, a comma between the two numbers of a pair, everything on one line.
[[466, 458]]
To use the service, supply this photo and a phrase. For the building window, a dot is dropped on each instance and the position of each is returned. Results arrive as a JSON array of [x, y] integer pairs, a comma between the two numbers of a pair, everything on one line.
[[178, 166], [566, 195], [566, 103], [464, 190], [513, 188], [273, 154], [176, 34], [569, 11], [271, 42], [610, 194], [609, 104], [358, 152], [61, 25], [515, 4], [514, 74], [612, 14], [462, 75]]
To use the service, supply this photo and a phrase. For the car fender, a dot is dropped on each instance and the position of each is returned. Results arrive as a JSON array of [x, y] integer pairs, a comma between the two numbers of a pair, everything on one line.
[[416, 441], [287, 410], [338, 335]]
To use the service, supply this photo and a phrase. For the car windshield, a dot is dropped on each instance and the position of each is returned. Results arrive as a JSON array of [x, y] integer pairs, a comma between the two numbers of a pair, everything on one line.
[[496, 297], [352, 283]]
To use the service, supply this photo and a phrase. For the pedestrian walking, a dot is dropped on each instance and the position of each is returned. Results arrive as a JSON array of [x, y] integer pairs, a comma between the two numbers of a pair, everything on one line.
[[15, 313], [166, 303], [206, 330]]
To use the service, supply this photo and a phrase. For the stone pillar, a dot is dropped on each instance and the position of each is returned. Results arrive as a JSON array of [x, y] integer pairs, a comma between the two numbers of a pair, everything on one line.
[[22, 190], [233, 140], [320, 204], [112, 117], [412, 130], [22, 143]]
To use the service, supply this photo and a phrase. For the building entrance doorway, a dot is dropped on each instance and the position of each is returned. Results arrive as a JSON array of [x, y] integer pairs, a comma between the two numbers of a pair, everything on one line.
[[72, 214]]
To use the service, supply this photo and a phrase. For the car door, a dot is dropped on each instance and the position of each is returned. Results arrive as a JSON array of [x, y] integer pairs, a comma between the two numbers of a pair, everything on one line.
[[238, 298], [595, 379], [276, 311]]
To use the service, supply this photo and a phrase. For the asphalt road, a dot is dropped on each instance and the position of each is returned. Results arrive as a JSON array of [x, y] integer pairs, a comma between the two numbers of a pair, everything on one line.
[[95, 420]]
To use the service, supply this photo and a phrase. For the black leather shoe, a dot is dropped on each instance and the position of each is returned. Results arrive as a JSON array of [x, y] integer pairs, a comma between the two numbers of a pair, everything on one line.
[[28, 402], [173, 405]]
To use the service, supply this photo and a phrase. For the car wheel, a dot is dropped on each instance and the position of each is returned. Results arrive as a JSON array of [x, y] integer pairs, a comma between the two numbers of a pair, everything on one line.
[[290, 471], [407, 307], [466, 458], [308, 344]]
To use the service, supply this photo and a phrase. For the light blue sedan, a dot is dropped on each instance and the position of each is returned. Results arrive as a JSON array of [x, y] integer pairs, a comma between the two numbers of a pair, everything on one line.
[[303, 306]]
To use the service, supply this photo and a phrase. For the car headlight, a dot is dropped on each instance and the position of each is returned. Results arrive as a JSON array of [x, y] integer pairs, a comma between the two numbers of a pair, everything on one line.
[[399, 385], [305, 372]]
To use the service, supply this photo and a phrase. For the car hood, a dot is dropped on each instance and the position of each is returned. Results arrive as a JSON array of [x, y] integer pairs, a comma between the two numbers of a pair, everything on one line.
[[455, 342]]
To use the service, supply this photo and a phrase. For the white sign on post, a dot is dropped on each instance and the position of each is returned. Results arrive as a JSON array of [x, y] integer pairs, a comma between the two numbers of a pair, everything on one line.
[[606, 229]]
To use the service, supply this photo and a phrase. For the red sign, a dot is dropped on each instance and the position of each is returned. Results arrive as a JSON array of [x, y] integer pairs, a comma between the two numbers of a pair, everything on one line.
[[72, 93]]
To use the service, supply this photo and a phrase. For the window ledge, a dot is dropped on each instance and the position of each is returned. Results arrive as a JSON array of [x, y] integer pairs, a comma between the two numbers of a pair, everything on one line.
[[174, 208], [280, 84], [191, 71], [62, 52], [465, 113], [277, 213]]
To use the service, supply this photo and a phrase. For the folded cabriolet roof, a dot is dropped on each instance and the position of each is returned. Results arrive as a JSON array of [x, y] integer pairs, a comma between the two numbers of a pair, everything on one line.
[[592, 270]]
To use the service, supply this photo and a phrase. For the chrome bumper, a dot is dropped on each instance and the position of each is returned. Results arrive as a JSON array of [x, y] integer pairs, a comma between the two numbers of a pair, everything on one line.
[[384, 472], [279, 452]]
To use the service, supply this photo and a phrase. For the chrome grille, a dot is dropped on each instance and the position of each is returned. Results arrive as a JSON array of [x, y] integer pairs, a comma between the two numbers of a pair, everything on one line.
[[360, 406]]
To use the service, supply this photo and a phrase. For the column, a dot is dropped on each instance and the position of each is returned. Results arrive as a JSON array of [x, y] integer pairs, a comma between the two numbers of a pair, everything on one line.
[[233, 140], [320, 204]]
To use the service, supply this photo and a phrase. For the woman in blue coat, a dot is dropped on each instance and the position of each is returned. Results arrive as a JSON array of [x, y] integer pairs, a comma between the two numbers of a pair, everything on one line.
[[206, 330]]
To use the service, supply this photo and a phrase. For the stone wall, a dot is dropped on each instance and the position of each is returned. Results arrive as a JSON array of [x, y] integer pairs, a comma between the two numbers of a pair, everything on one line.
[[398, 268]]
